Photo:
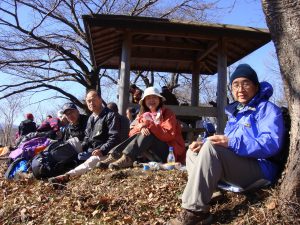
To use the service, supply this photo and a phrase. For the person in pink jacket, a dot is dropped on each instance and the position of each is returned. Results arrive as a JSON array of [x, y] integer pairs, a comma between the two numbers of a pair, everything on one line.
[[155, 131]]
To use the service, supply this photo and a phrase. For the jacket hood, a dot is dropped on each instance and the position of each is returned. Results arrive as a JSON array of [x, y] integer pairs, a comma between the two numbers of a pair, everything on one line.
[[264, 93]]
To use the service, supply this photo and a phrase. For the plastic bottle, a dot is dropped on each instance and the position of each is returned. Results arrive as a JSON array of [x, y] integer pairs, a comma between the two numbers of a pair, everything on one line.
[[199, 138], [171, 157]]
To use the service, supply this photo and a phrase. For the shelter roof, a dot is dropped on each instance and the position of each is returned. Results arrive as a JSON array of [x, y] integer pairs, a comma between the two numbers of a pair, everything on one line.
[[166, 45]]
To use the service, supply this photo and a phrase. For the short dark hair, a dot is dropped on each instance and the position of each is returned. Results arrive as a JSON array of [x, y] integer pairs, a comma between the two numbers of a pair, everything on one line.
[[113, 106], [93, 90]]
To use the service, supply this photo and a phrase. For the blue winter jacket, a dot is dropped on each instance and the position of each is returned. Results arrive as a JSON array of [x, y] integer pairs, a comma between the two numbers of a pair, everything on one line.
[[257, 130]]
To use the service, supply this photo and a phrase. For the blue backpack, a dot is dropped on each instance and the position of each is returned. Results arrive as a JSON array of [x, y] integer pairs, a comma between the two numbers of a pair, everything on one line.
[[209, 128], [19, 165]]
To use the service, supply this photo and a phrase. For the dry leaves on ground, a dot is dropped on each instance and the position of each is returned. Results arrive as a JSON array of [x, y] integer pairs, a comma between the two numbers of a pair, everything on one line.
[[129, 196]]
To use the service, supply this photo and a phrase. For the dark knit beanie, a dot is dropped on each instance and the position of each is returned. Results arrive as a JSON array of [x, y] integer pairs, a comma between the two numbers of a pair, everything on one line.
[[244, 70]]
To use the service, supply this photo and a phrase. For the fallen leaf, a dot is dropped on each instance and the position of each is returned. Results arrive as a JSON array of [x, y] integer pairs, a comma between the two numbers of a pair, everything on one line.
[[271, 205]]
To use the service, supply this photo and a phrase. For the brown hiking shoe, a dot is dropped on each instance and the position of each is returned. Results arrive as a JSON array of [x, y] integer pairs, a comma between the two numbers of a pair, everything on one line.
[[188, 217], [59, 182], [124, 162], [104, 163]]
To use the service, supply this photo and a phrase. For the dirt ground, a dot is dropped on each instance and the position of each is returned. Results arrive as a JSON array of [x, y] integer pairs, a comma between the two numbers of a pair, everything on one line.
[[130, 196]]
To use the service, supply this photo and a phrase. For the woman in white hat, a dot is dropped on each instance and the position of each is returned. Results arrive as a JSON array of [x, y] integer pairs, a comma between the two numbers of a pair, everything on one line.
[[156, 129]]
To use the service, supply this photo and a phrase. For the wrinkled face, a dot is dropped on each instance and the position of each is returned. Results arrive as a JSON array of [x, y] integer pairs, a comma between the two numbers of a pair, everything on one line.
[[152, 102], [72, 116], [243, 90], [94, 102]]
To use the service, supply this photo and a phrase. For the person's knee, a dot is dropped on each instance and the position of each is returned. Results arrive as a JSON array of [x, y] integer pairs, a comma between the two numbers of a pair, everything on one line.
[[208, 149]]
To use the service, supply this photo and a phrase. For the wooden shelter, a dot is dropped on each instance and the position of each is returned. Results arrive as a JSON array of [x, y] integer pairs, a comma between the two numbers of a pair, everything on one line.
[[151, 44]]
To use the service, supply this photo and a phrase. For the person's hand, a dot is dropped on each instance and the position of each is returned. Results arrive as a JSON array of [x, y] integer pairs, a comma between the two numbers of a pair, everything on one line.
[[221, 140], [145, 131], [195, 146], [143, 125], [97, 152]]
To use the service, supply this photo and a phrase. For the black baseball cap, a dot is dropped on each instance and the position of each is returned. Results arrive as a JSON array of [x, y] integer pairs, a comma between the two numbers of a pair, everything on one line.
[[68, 106]]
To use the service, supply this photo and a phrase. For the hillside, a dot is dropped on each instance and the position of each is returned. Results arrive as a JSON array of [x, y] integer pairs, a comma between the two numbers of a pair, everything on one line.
[[130, 196]]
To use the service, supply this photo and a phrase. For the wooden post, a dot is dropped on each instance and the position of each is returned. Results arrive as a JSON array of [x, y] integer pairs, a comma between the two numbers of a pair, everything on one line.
[[124, 74], [195, 85], [221, 89]]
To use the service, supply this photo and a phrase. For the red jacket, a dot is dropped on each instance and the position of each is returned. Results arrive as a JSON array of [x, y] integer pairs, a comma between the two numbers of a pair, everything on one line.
[[169, 131]]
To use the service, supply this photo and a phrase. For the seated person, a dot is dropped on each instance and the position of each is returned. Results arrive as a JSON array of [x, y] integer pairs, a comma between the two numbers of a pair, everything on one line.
[[135, 93], [50, 124], [131, 114], [124, 122], [101, 135], [27, 126], [171, 99], [156, 129], [76, 122], [254, 133]]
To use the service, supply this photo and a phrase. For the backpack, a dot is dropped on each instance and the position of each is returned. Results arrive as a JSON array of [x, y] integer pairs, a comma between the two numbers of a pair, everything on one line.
[[58, 158], [19, 165], [28, 148], [281, 158], [209, 128]]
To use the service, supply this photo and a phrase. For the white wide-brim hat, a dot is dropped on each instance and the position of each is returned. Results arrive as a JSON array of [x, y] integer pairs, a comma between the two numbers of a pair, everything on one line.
[[151, 91]]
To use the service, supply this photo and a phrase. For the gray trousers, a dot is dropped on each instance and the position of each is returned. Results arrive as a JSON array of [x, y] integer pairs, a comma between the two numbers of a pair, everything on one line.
[[213, 164], [149, 147]]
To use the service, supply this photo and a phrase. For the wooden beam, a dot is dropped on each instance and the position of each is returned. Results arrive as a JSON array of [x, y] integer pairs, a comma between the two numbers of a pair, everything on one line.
[[190, 111], [124, 74], [158, 56], [168, 44], [195, 84], [211, 48], [222, 83]]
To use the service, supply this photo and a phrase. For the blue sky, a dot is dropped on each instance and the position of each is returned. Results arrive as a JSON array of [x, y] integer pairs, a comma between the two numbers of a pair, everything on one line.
[[244, 13]]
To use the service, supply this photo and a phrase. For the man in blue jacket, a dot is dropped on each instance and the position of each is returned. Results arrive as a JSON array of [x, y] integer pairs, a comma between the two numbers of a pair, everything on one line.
[[253, 133]]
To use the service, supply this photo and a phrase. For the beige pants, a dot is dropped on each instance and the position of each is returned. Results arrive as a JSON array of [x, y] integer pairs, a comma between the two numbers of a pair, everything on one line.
[[213, 164]]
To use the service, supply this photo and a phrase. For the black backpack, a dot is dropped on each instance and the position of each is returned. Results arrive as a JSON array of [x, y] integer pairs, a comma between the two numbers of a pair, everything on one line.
[[281, 158], [58, 158]]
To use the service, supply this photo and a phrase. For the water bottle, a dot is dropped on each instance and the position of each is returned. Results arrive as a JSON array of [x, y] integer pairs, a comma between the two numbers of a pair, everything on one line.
[[200, 138], [171, 157]]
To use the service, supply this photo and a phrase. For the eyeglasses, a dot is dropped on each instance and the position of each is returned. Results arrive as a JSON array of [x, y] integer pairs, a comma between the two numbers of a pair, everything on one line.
[[245, 85]]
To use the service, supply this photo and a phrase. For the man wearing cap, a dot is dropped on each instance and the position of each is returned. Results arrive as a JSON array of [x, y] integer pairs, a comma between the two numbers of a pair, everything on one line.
[[77, 122], [102, 133], [27, 126], [254, 132]]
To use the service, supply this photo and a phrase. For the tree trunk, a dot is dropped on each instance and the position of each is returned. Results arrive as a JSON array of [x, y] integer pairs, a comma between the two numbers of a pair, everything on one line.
[[283, 20]]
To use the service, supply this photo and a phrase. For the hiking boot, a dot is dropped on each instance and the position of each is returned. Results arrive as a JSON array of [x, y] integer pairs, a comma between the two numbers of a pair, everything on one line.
[[59, 182], [104, 163], [188, 217], [124, 162]]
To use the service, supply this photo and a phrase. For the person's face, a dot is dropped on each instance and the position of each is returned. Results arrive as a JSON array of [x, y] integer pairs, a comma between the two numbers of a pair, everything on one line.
[[72, 116], [128, 114], [94, 102], [137, 96], [243, 90], [152, 102]]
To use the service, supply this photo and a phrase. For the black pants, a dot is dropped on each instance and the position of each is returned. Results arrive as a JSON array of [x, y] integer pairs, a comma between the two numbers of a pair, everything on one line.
[[139, 145]]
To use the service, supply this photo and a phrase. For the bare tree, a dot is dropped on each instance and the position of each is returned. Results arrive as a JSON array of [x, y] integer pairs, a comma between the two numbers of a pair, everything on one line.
[[8, 111], [43, 43], [283, 20]]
